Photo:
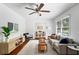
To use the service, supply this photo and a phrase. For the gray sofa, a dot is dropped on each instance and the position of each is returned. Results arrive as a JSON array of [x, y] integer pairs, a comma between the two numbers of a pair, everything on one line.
[[58, 47]]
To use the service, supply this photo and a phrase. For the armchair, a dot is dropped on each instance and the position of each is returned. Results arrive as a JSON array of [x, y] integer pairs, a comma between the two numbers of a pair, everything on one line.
[[28, 36]]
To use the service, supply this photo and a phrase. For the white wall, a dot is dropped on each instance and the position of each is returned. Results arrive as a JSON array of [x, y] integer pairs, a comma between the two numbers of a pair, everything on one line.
[[31, 23], [26, 23], [74, 14], [8, 15], [33, 20]]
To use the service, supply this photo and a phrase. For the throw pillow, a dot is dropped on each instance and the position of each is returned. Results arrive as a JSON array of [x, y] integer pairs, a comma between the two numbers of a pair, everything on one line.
[[53, 36], [64, 41], [71, 41]]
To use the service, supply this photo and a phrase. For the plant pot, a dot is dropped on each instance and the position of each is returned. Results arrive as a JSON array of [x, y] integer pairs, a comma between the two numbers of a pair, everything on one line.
[[5, 39]]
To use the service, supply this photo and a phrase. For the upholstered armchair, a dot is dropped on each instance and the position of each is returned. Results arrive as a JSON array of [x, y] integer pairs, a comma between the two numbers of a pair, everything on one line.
[[28, 36]]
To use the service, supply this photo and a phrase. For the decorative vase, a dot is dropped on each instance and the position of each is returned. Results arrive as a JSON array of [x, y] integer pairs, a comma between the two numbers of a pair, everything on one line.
[[6, 39]]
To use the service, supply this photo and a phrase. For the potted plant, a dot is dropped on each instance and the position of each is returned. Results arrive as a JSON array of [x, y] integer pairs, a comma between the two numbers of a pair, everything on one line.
[[6, 31]]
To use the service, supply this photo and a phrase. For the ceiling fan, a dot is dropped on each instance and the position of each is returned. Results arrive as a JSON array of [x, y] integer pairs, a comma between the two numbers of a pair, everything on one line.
[[37, 9]]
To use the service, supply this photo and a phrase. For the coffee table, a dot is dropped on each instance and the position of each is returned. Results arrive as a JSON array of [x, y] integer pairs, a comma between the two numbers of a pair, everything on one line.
[[42, 47]]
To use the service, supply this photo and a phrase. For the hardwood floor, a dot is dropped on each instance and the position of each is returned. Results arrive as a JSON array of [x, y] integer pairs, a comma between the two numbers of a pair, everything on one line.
[[15, 51]]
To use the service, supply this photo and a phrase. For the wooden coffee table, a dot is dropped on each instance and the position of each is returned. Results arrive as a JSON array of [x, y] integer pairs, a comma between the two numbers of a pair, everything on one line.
[[42, 47]]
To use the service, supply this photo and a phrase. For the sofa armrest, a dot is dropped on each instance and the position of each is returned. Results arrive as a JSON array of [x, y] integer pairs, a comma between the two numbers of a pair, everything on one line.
[[67, 44], [63, 48]]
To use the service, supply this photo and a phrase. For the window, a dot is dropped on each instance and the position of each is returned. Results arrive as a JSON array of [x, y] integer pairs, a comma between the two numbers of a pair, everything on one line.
[[63, 26], [59, 27]]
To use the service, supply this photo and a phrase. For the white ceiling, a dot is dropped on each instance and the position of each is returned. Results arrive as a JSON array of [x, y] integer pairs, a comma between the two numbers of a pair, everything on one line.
[[55, 8]]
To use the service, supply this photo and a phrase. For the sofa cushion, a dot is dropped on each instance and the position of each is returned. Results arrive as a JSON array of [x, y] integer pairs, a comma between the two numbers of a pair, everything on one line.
[[71, 41], [54, 41], [54, 36], [64, 41], [56, 44], [58, 37]]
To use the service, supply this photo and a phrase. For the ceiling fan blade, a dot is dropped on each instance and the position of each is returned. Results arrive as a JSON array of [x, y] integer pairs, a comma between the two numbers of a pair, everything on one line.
[[36, 5], [32, 13], [29, 8], [41, 5], [44, 11]]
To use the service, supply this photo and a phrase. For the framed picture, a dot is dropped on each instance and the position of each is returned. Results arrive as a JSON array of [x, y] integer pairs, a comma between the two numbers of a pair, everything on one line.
[[10, 25], [15, 27]]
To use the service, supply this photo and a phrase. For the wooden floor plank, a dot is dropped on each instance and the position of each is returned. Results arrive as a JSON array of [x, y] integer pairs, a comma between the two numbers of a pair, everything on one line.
[[15, 51]]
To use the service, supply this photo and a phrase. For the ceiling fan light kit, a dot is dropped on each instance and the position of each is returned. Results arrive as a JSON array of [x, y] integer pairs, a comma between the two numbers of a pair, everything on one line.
[[38, 9]]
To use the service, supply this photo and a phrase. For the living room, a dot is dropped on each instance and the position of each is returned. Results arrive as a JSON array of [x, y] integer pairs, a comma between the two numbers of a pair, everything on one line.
[[60, 20]]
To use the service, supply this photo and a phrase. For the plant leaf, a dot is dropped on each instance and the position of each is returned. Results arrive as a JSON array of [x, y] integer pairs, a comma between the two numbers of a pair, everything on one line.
[[6, 29], [4, 34]]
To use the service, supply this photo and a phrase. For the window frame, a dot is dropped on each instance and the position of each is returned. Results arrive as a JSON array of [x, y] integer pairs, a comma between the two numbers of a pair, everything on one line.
[[69, 26]]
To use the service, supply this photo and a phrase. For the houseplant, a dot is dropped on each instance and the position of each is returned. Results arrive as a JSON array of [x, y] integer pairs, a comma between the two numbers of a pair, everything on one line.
[[5, 31]]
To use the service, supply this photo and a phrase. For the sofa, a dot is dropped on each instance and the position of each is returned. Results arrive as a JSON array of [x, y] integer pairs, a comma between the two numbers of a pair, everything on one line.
[[7, 47], [60, 48]]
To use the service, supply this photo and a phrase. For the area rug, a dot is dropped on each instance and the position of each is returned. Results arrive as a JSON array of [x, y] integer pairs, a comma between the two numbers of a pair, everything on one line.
[[31, 48]]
